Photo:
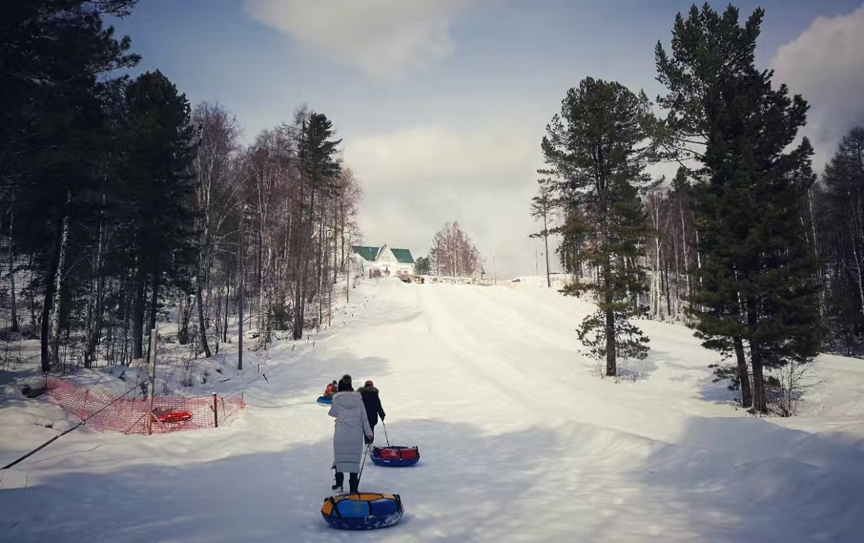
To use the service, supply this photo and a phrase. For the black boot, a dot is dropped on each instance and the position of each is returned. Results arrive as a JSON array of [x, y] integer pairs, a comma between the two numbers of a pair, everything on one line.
[[340, 479], [353, 483]]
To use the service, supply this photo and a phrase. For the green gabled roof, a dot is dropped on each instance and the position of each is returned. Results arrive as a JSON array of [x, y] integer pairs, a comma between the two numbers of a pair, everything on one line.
[[368, 253], [403, 256]]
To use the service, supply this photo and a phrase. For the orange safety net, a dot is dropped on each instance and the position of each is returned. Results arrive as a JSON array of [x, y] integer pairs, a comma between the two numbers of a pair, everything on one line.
[[105, 412]]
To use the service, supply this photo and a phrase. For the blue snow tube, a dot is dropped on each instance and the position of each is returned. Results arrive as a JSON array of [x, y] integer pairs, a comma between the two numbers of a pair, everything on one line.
[[366, 511], [395, 456], [325, 401]]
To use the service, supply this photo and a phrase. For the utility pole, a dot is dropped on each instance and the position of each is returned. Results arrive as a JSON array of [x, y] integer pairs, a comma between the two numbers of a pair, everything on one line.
[[546, 243], [494, 270], [242, 288]]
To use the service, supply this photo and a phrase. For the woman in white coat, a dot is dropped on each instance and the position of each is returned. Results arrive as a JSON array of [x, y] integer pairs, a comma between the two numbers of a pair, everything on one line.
[[352, 426]]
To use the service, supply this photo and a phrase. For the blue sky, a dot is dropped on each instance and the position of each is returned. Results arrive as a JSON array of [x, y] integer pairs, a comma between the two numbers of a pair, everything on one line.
[[442, 103]]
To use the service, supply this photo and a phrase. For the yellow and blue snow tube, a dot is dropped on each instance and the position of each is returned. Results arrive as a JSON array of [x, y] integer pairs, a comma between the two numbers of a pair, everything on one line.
[[364, 511]]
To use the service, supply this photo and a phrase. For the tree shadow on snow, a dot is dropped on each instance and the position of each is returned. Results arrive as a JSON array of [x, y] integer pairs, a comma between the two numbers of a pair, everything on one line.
[[718, 392], [748, 479], [462, 489], [301, 381], [639, 370]]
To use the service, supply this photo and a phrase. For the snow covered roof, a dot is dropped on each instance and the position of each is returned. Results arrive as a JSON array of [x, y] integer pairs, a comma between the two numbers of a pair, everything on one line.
[[370, 254]]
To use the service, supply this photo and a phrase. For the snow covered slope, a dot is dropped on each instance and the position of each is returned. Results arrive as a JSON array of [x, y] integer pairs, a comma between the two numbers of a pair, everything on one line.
[[520, 441]]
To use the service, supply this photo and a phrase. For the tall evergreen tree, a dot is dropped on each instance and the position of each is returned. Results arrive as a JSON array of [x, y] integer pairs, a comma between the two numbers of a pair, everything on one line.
[[422, 266], [161, 191], [319, 170], [841, 222], [597, 152], [756, 282], [53, 128]]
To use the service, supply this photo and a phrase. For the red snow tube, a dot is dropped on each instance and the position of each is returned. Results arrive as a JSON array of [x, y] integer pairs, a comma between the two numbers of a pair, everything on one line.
[[395, 457], [176, 416]]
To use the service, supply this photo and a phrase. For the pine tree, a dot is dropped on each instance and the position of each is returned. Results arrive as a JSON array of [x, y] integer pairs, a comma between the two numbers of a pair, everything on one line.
[[841, 223], [161, 191], [319, 169], [53, 129], [597, 152], [756, 283], [422, 266], [541, 209]]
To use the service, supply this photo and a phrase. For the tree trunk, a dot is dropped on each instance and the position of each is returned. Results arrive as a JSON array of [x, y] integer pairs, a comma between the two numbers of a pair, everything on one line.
[[860, 280], [656, 286], [760, 404], [546, 243], [227, 305], [58, 284], [138, 313], [335, 244], [743, 374], [31, 296], [47, 305], [93, 298], [201, 322], [100, 314], [183, 325], [342, 233], [820, 271], [321, 260], [154, 305], [666, 287], [684, 247], [13, 294], [611, 367]]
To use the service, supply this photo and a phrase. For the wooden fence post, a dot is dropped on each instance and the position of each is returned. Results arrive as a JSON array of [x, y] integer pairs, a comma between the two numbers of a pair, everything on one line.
[[150, 415], [215, 411]]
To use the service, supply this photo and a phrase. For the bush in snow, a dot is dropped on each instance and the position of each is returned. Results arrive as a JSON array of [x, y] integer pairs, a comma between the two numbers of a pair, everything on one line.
[[629, 340]]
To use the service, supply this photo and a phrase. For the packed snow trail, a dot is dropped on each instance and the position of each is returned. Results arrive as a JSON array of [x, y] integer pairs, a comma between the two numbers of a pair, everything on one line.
[[520, 440]]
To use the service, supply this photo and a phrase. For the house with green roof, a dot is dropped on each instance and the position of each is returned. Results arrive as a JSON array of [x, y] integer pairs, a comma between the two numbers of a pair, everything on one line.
[[388, 260]]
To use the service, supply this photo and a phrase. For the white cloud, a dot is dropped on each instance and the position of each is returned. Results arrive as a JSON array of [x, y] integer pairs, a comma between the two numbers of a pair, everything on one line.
[[418, 179], [825, 64], [384, 38]]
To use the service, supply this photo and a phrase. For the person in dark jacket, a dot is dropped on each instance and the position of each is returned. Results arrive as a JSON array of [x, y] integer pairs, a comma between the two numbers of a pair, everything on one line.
[[372, 402]]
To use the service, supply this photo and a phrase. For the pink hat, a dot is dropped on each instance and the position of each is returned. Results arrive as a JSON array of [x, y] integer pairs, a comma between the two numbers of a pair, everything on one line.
[[368, 384]]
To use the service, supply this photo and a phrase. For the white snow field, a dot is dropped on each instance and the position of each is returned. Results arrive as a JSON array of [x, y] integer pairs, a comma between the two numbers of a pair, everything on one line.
[[520, 441]]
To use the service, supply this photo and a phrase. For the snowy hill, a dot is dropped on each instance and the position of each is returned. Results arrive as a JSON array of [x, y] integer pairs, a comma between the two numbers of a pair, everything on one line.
[[521, 441]]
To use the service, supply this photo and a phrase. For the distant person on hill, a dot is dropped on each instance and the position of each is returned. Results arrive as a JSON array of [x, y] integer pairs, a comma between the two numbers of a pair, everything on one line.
[[351, 428], [372, 402], [331, 389]]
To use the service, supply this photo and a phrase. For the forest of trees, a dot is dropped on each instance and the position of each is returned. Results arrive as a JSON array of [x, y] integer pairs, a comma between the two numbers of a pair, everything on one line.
[[744, 244], [453, 253], [122, 202]]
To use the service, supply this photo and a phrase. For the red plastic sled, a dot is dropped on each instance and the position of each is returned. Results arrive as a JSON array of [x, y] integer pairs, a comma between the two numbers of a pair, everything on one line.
[[395, 456], [176, 416]]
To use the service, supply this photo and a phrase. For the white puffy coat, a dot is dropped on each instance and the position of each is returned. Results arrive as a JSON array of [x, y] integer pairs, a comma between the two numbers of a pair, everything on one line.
[[351, 427]]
